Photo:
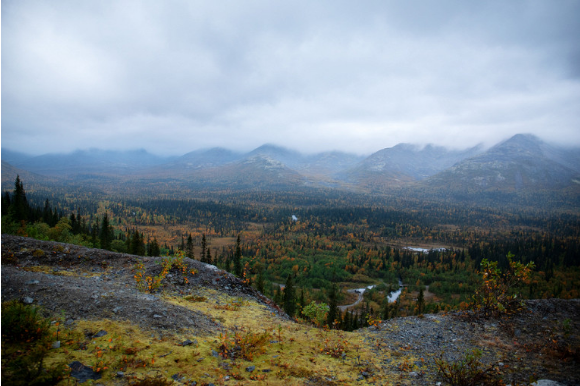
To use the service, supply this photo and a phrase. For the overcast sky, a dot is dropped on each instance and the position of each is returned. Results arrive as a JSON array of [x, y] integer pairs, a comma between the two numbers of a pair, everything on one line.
[[358, 76]]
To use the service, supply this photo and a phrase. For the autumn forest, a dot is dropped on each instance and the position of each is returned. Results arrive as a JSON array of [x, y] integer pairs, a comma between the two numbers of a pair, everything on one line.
[[323, 244]]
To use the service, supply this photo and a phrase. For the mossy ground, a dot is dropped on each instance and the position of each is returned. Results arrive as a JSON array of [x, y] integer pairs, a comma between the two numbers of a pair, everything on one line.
[[69, 272], [292, 353]]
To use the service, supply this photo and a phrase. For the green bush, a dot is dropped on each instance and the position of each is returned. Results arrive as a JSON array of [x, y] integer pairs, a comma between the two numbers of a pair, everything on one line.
[[22, 323], [316, 312], [25, 344], [498, 293], [27, 368]]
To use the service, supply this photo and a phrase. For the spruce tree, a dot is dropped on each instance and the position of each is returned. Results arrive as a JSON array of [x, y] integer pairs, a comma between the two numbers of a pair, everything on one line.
[[346, 323], [333, 305], [189, 248], [106, 236], [228, 264], [155, 250], [135, 243], [289, 297], [19, 205], [94, 235], [5, 203], [203, 247], [141, 247], [208, 256], [129, 243], [277, 297], [421, 301], [47, 213], [238, 259], [355, 318], [386, 310], [73, 223], [260, 281], [55, 218]]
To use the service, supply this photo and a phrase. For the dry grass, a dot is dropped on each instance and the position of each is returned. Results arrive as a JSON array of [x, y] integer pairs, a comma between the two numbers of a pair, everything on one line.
[[488, 340]]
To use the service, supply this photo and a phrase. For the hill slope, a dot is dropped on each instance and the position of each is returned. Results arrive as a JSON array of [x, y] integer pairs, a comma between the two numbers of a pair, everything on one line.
[[9, 173], [213, 328]]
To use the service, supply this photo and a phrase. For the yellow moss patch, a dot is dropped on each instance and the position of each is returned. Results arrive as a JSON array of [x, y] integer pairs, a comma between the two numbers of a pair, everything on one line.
[[50, 270], [135, 352], [295, 350], [290, 353]]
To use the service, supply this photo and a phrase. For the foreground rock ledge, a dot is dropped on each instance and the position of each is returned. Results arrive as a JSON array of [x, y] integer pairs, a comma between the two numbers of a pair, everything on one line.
[[85, 283]]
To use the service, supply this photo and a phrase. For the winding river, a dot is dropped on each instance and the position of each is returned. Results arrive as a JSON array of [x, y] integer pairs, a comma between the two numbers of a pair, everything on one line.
[[393, 296]]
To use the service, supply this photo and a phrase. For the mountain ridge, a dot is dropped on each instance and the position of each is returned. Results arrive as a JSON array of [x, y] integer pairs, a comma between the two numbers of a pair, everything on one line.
[[522, 161], [520, 164]]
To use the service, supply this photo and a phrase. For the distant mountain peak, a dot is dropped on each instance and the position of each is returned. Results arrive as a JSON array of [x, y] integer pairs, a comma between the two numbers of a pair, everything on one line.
[[274, 149], [264, 160], [529, 141], [521, 162]]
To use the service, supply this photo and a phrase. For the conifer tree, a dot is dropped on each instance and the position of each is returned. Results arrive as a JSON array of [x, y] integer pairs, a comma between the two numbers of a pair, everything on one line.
[[346, 323], [95, 233], [128, 243], [135, 243], [289, 297], [228, 264], [355, 319], [106, 235], [47, 213], [5, 203], [154, 248], [333, 305], [238, 259], [386, 310], [55, 218], [260, 281], [203, 247], [189, 248], [421, 301], [73, 223], [19, 205], [141, 246], [208, 256]]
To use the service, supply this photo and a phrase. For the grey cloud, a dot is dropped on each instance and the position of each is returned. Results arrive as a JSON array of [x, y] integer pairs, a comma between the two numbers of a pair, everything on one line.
[[180, 75]]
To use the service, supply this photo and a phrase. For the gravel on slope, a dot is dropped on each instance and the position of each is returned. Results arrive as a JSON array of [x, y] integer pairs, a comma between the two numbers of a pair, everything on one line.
[[533, 345], [87, 283]]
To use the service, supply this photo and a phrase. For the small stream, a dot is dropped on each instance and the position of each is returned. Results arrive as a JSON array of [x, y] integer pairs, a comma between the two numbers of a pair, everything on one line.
[[393, 296]]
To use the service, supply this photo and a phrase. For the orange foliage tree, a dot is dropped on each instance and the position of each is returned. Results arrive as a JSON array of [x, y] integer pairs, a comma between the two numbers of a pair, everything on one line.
[[498, 293]]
